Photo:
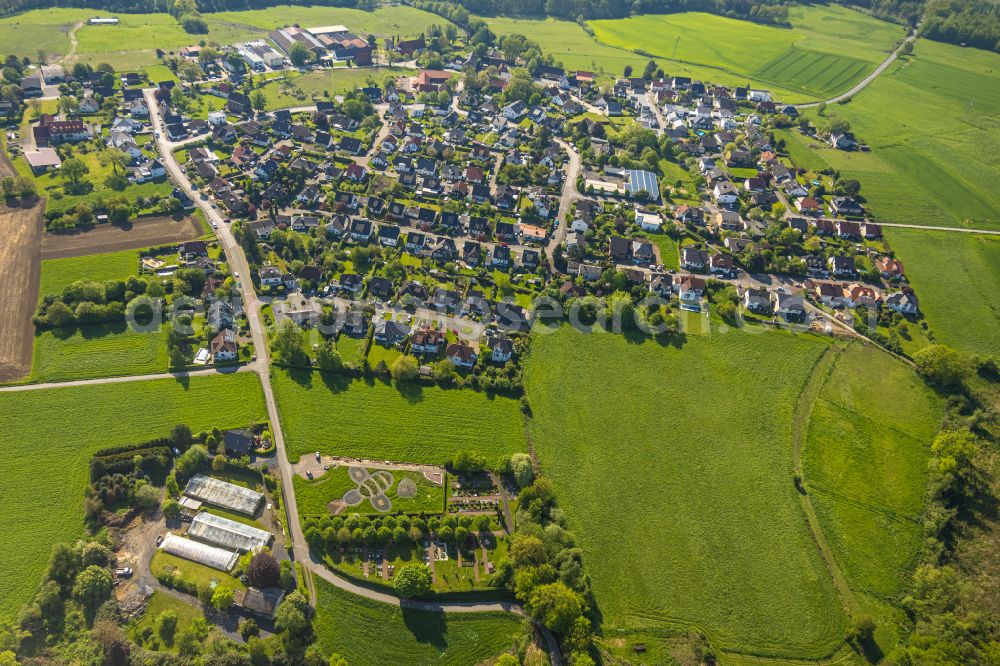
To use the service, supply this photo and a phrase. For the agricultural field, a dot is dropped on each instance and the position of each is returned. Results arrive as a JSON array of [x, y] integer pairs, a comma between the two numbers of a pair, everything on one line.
[[344, 624], [420, 424], [100, 350], [932, 123], [51, 434], [401, 21], [961, 304], [20, 236], [296, 90], [865, 465], [825, 51], [313, 496], [105, 238], [683, 501]]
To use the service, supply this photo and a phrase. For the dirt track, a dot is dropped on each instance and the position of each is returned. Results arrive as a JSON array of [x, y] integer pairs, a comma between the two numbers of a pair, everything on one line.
[[143, 233]]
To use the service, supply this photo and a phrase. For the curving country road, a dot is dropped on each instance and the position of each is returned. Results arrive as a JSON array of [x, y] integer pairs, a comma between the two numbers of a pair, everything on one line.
[[299, 549], [863, 83]]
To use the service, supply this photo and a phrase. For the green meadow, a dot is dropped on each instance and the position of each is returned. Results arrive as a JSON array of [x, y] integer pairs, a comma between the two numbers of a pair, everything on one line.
[[570, 44], [50, 435], [57, 274], [397, 20], [97, 351], [865, 465], [674, 466], [421, 424], [932, 121], [37, 30], [957, 277], [345, 623]]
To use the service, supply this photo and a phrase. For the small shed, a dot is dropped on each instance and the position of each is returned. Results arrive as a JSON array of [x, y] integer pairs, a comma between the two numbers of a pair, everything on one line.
[[260, 602]]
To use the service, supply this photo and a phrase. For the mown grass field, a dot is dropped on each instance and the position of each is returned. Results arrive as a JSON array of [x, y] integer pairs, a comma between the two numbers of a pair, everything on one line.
[[50, 435], [675, 470], [933, 122], [957, 277], [384, 21], [97, 351], [345, 624], [58, 274], [335, 81], [826, 50], [865, 465], [314, 495], [416, 424]]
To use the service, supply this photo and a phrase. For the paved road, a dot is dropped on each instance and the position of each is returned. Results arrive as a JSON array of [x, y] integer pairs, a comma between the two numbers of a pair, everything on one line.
[[569, 196], [132, 378], [863, 83], [299, 549]]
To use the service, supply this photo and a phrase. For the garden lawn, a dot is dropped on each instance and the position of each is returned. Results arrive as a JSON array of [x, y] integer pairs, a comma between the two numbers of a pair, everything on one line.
[[344, 624], [865, 465], [192, 572], [159, 603], [97, 351], [674, 467], [314, 495], [50, 435], [826, 50], [57, 274], [957, 278], [52, 184], [932, 121], [339, 417], [398, 20]]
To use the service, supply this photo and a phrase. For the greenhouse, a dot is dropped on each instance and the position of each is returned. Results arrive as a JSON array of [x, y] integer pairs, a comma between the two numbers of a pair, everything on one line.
[[224, 494], [202, 553], [227, 534]]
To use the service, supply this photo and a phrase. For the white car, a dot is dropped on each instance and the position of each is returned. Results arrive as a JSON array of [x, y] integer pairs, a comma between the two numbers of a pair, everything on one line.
[[214, 225]]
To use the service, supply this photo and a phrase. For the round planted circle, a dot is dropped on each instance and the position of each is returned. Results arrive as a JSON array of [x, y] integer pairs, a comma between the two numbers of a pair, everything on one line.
[[353, 498]]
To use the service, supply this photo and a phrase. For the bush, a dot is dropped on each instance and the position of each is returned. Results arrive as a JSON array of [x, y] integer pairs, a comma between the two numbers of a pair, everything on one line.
[[412, 580]]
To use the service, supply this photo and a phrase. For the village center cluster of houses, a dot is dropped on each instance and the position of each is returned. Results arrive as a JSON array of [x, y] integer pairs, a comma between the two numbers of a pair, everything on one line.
[[480, 185]]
